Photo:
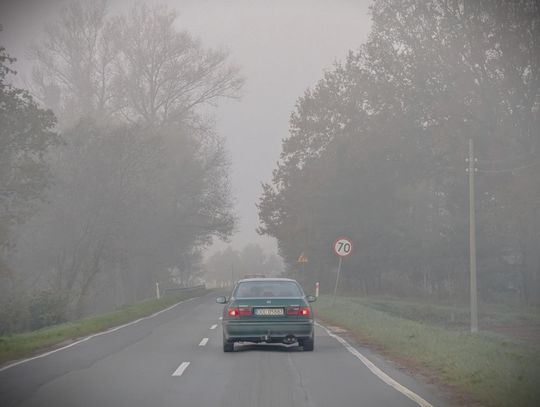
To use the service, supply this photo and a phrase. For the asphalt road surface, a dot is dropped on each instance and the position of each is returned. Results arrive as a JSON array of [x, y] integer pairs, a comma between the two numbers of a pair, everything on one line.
[[175, 358]]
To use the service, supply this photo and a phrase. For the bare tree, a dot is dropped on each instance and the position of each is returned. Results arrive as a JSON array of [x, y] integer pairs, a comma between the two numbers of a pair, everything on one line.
[[74, 62], [164, 74], [138, 65]]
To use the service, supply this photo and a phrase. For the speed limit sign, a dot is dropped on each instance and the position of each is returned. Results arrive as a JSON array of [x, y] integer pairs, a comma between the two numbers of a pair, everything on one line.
[[343, 247]]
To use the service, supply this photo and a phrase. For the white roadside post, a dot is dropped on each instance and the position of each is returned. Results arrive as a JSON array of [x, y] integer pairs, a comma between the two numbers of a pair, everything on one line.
[[342, 248], [317, 289], [472, 241], [158, 296]]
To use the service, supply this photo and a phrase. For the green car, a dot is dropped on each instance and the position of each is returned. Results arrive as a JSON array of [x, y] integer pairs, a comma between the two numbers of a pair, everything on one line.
[[271, 310]]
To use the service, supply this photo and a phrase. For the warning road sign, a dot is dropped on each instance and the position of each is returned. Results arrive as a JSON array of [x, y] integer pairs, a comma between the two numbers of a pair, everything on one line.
[[303, 258]]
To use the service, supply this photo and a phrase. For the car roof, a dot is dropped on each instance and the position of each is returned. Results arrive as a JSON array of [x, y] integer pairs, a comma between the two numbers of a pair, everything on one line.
[[265, 279]]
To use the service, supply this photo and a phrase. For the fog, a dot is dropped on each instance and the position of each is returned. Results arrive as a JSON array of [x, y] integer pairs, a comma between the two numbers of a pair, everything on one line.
[[282, 47], [384, 154], [283, 50], [181, 143]]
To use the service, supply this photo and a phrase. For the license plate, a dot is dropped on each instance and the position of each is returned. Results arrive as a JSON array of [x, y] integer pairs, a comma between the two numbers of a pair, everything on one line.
[[269, 311]]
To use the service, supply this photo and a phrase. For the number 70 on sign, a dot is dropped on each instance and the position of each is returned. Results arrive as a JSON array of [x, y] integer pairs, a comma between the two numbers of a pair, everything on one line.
[[343, 247]]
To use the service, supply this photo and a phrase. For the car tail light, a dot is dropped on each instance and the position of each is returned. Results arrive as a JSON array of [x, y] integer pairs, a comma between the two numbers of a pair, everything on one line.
[[245, 311], [240, 312], [305, 311], [293, 310], [301, 311]]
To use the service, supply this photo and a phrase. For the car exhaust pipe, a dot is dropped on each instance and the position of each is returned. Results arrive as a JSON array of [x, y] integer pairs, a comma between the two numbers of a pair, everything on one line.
[[290, 339], [266, 338]]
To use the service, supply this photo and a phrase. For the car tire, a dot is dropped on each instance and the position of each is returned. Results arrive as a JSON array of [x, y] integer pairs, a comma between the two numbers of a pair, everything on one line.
[[308, 344], [227, 346]]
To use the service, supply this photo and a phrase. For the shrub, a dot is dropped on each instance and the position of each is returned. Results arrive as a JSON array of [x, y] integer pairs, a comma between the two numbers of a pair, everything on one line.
[[13, 314], [47, 308]]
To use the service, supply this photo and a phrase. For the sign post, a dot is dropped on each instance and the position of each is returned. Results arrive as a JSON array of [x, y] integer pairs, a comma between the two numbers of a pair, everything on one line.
[[342, 248], [303, 260]]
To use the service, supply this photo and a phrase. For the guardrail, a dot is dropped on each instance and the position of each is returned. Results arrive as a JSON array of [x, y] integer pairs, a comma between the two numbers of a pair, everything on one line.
[[183, 289], [164, 290]]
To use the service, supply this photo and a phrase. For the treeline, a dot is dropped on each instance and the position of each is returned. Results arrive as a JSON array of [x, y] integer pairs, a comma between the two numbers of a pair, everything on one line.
[[112, 176], [226, 266], [377, 151]]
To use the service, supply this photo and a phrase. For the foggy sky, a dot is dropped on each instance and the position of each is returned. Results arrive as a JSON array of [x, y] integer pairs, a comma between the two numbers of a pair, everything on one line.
[[282, 48]]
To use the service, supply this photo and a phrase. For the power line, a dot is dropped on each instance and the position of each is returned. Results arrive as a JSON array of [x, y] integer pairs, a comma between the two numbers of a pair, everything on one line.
[[523, 167], [523, 157]]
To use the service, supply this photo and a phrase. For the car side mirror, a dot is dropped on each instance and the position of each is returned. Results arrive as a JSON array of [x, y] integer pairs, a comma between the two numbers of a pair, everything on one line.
[[311, 298], [222, 300]]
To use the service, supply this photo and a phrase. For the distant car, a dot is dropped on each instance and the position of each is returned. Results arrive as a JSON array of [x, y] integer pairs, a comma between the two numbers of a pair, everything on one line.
[[254, 276], [271, 310]]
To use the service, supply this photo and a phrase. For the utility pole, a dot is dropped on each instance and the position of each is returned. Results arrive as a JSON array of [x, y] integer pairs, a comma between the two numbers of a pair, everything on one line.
[[472, 241]]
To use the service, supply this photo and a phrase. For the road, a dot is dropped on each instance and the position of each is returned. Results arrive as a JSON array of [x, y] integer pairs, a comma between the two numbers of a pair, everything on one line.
[[175, 358]]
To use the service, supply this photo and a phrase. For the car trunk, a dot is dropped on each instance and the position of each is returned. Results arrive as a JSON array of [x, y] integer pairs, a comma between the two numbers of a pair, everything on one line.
[[269, 309]]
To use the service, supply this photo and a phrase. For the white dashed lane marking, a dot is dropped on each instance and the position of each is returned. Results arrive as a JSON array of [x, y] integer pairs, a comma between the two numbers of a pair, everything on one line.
[[181, 369], [203, 342], [213, 326]]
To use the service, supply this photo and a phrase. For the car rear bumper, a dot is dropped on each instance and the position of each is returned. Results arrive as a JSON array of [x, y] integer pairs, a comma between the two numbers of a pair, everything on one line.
[[237, 331]]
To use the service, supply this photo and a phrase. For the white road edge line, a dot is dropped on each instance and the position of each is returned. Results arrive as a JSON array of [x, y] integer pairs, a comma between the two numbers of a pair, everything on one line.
[[181, 369], [213, 326], [108, 331], [203, 342], [378, 372]]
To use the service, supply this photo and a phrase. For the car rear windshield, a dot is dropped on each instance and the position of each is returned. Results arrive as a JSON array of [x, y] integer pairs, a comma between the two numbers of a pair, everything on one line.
[[263, 289]]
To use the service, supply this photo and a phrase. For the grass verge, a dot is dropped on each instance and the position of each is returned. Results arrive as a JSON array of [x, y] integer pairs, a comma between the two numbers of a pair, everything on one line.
[[22, 345], [486, 368]]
